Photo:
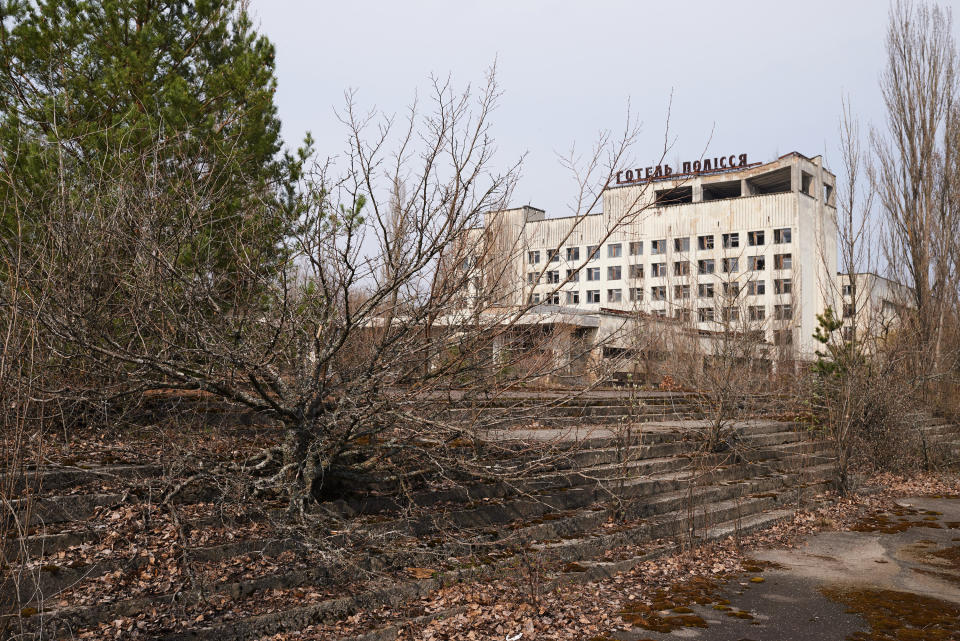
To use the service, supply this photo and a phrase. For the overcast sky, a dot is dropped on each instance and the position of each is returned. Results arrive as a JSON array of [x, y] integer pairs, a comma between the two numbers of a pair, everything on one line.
[[766, 76]]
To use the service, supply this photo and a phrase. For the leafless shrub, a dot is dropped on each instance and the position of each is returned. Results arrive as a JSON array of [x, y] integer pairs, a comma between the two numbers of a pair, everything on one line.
[[24, 420], [392, 301], [886, 345]]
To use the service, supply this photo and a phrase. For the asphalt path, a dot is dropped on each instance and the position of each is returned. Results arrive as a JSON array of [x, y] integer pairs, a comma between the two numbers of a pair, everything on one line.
[[790, 603]]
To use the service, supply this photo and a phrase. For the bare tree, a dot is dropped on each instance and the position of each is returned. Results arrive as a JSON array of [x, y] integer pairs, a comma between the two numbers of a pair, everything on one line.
[[860, 386], [396, 296], [854, 234], [912, 174]]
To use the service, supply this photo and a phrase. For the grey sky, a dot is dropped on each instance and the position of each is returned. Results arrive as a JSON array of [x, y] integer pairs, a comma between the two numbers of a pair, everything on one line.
[[768, 75]]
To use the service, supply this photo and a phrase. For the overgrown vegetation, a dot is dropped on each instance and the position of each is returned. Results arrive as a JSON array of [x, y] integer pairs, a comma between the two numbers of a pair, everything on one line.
[[158, 245], [157, 241]]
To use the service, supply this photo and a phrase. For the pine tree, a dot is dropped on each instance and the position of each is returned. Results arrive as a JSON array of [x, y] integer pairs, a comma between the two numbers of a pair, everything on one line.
[[186, 85], [829, 362]]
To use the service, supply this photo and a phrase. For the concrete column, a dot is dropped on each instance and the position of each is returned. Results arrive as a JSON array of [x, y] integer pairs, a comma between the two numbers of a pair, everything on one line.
[[697, 190], [560, 345], [498, 348]]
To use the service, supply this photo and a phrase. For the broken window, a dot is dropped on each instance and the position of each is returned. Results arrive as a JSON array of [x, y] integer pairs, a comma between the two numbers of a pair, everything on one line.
[[782, 261], [783, 312], [674, 196], [783, 286], [783, 337], [721, 190], [774, 182]]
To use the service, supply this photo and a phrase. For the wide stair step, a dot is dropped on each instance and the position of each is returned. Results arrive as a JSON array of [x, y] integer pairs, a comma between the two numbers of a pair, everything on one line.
[[602, 491]]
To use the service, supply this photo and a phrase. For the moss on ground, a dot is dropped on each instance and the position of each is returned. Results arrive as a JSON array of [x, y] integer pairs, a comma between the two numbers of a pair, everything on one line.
[[899, 616]]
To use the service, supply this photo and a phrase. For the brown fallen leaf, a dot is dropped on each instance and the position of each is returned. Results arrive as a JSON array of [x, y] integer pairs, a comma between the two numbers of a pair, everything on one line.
[[420, 573]]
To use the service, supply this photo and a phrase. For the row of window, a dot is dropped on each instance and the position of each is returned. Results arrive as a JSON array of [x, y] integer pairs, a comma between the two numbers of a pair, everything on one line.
[[754, 312], [680, 268], [615, 250], [781, 286]]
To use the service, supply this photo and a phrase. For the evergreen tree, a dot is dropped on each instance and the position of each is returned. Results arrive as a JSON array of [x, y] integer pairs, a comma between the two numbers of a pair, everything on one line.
[[829, 362], [185, 85]]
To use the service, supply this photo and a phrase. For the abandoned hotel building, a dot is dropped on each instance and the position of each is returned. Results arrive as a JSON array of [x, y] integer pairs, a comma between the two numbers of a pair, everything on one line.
[[717, 245]]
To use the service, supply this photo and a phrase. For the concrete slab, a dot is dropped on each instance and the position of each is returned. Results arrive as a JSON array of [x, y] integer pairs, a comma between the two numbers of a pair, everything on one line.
[[789, 604]]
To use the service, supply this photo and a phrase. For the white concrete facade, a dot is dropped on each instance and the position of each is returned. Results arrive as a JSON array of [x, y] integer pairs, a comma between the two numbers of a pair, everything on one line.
[[875, 303], [755, 245]]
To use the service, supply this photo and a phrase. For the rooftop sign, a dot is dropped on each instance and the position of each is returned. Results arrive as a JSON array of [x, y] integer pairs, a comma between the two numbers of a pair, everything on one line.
[[720, 163]]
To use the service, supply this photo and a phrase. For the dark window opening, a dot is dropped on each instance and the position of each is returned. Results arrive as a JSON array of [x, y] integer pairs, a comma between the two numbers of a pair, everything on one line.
[[615, 352], [775, 182], [675, 196], [721, 190]]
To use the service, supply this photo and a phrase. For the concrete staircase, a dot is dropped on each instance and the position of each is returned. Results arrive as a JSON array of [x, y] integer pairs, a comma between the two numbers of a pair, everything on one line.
[[597, 493], [937, 438], [556, 409]]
